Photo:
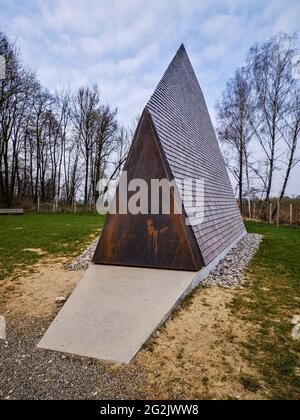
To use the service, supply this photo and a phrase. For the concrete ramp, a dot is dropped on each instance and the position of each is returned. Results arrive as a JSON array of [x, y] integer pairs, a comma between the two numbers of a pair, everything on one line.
[[114, 310]]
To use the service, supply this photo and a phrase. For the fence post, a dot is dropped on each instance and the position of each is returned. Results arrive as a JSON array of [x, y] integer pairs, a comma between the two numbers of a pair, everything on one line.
[[291, 214], [38, 204], [278, 211], [254, 210], [271, 213], [249, 209], [56, 204], [75, 207]]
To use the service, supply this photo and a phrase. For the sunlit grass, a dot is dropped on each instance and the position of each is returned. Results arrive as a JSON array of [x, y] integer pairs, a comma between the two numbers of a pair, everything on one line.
[[269, 301], [49, 234]]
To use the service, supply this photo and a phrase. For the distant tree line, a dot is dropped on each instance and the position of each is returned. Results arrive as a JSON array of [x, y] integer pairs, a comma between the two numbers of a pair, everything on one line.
[[53, 146], [58, 145], [258, 119]]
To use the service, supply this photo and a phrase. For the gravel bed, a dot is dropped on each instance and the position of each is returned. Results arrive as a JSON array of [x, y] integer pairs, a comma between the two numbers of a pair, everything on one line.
[[230, 272], [82, 261], [31, 373]]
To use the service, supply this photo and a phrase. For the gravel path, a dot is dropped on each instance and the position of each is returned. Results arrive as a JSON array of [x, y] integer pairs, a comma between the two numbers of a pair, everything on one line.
[[31, 373]]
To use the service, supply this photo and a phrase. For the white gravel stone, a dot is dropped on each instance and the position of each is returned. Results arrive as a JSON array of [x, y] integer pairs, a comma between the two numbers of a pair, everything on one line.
[[296, 332], [296, 320], [2, 328], [82, 261], [230, 272], [60, 299]]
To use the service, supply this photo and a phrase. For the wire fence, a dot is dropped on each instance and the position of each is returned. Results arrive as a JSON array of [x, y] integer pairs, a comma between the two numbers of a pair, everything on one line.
[[278, 212], [57, 206], [286, 212]]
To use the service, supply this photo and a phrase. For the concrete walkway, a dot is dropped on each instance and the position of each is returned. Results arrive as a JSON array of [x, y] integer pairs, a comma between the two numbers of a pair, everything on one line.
[[114, 310]]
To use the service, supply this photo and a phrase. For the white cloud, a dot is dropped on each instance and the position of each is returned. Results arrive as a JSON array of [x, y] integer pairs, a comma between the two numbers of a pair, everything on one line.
[[220, 26], [133, 64]]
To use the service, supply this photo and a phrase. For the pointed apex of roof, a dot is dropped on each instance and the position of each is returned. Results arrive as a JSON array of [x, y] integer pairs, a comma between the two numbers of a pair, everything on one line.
[[182, 47], [181, 53], [181, 75], [179, 89]]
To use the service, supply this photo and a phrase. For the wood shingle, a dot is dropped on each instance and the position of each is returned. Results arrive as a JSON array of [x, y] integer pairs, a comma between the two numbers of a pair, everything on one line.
[[183, 125]]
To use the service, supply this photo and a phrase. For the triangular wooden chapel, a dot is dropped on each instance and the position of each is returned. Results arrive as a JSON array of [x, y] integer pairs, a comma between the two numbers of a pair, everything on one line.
[[174, 139]]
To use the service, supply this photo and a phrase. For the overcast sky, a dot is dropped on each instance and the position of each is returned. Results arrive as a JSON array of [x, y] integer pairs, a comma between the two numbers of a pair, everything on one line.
[[125, 45]]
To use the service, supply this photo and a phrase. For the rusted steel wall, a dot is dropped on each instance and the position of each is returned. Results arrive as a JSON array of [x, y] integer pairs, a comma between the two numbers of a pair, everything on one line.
[[162, 240]]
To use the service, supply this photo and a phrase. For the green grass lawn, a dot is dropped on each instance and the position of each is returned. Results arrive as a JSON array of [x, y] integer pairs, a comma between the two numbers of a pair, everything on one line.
[[55, 234], [268, 302]]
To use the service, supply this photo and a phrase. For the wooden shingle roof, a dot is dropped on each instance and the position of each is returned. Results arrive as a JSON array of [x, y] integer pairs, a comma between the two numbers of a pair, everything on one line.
[[186, 134]]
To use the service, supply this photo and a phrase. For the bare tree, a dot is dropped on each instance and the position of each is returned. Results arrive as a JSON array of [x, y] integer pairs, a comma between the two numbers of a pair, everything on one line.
[[270, 67], [291, 137], [106, 143], [85, 115], [258, 118], [15, 92], [54, 145], [235, 113], [62, 112], [97, 130]]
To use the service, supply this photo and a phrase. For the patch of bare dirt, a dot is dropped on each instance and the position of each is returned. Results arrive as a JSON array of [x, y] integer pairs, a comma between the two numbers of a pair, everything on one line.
[[33, 294], [197, 354], [37, 251]]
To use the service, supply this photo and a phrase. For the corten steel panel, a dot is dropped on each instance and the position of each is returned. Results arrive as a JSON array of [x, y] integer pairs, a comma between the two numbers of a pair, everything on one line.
[[183, 126], [158, 241]]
